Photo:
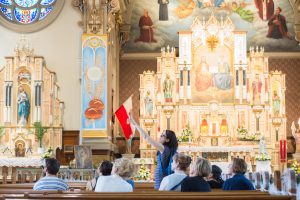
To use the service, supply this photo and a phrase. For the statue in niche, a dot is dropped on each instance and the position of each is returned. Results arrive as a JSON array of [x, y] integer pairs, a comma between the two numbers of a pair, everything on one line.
[[168, 88], [256, 88], [276, 104], [148, 104], [23, 106], [262, 145]]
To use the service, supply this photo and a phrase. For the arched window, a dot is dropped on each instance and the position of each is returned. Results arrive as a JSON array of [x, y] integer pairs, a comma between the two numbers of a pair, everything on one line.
[[28, 15]]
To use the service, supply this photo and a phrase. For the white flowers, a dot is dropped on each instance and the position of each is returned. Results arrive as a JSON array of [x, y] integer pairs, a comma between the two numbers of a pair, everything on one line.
[[143, 173], [262, 157]]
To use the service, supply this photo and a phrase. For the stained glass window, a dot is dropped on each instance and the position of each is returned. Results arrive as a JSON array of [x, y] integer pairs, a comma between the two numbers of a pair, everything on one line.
[[26, 11]]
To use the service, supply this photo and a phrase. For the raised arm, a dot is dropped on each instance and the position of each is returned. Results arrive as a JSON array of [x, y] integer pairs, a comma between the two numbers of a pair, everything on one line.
[[150, 140]]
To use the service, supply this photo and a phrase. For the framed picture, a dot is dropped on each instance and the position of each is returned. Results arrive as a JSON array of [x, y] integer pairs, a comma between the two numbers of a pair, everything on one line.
[[83, 157]]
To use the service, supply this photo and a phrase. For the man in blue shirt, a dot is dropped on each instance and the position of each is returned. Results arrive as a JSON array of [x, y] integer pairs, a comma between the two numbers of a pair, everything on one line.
[[238, 181], [50, 181]]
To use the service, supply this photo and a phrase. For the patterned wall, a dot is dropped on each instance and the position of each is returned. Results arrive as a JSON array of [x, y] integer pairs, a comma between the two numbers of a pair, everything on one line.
[[130, 70], [291, 67]]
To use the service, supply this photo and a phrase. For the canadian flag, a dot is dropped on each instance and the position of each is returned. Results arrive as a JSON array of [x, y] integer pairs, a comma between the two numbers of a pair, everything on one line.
[[123, 114]]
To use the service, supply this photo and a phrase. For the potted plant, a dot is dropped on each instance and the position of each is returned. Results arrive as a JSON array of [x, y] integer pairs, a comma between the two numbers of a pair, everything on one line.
[[40, 132]]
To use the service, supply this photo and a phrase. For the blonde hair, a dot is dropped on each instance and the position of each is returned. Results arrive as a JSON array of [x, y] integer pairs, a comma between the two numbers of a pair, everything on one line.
[[124, 167], [202, 167]]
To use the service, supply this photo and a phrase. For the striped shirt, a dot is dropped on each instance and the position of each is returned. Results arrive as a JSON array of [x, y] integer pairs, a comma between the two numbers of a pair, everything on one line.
[[50, 183]]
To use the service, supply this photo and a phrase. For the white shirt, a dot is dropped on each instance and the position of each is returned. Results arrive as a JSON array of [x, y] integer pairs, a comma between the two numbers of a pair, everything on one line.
[[113, 183], [170, 181]]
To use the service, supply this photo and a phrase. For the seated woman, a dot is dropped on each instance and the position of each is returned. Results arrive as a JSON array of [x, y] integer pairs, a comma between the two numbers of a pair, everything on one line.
[[127, 174], [180, 165], [195, 183], [104, 169], [214, 179], [115, 183], [238, 181]]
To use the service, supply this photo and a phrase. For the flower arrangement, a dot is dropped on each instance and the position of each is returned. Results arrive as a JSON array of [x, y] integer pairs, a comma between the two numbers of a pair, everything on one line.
[[48, 153], [244, 135], [143, 173], [262, 157], [295, 166], [186, 135]]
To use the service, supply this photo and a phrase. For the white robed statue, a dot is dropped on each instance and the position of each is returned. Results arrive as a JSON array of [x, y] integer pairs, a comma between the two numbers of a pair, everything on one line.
[[262, 146]]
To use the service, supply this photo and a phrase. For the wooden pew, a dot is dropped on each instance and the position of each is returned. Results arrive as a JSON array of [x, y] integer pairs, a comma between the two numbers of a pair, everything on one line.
[[235, 195]]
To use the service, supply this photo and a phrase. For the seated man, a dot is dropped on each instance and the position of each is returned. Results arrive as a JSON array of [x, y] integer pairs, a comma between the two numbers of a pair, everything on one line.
[[50, 181]]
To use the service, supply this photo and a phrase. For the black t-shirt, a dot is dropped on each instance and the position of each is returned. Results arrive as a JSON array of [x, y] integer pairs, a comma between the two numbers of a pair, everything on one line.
[[195, 184]]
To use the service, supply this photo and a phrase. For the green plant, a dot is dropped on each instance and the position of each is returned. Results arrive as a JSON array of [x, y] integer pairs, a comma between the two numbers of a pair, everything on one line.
[[39, 131], [186, 135]]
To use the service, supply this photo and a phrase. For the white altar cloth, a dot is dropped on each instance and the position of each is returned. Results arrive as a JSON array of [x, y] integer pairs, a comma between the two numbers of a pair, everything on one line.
[[21, 162], [262, 166], [215, 149]]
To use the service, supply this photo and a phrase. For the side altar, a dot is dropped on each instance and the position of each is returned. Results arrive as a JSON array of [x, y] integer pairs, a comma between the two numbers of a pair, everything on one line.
[[224, 97], [29, 94]]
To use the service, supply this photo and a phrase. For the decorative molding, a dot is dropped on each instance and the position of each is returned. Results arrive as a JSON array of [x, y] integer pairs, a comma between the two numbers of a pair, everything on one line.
[[150, 56]]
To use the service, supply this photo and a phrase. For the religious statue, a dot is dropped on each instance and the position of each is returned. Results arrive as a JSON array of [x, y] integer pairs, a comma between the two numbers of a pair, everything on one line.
[[265, 8], [163, 10], [146, 29], [262, 146], [24, 105], [168, 88], [277, 26], [148, 104], [276, 104], [256, 88]]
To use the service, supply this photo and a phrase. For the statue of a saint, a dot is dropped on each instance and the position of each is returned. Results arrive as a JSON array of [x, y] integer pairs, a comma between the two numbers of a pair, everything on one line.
[[276, 104], [262, 146], [256, 88], [148, 104], [168, 88], [23, 106]]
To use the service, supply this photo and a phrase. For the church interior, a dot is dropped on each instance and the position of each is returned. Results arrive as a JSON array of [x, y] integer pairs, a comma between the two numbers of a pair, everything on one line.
[[222, 74]]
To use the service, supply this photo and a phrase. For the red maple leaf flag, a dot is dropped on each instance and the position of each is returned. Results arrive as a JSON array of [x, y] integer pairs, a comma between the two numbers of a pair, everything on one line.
[[123, 114]]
